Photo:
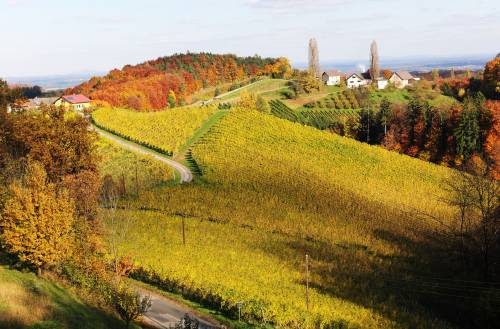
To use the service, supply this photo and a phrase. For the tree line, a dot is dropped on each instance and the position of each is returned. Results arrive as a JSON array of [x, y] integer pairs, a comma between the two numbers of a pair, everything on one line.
[[50, 192], [171, 81]]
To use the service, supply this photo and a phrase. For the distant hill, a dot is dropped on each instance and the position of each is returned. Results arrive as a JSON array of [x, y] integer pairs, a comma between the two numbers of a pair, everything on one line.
[[147, 85], [53, 82]]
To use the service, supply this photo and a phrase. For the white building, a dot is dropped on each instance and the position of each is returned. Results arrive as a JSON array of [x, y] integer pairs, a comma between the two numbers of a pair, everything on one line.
[[356, 80], [401, 79], [332, 78]]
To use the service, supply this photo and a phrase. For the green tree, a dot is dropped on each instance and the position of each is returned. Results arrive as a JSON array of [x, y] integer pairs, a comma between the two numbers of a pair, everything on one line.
[[467, 132], [384, 113], [37, 222], [172, 99]]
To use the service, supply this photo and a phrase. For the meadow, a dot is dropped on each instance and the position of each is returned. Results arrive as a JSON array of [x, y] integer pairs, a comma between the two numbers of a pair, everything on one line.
[[165, 131], [274, 193]]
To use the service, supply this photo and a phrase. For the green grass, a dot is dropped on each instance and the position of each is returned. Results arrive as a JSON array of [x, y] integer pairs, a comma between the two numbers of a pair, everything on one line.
[[278, 191], [27, 301]]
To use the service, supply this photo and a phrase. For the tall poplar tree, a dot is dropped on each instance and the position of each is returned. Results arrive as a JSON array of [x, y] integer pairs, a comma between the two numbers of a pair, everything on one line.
[[313, 58], [374, 61]]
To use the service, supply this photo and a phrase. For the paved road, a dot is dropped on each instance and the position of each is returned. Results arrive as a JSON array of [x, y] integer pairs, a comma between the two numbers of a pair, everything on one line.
[[186, 174], [165, 313]]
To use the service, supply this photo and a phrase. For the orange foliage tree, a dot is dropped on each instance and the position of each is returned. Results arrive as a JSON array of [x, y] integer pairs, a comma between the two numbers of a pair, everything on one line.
[[146, 86]]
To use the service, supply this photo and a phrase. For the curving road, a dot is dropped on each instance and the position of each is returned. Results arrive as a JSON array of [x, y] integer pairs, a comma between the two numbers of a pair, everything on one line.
[[185, 172], [165, 313]]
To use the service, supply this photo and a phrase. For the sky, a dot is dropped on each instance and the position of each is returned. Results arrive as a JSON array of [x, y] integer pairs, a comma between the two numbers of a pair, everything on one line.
[[48, 37]]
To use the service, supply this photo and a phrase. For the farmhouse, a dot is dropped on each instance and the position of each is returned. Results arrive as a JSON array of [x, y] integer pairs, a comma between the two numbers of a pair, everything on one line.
[[401, 79], [332, 78], [356, 80], [75, 102]]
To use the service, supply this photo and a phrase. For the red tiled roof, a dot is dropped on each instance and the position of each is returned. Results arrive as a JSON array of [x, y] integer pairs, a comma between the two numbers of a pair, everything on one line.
[[76, 99]]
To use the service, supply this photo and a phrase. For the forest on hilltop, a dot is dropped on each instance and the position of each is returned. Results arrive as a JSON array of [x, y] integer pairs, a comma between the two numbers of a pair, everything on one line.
[[171, 80]]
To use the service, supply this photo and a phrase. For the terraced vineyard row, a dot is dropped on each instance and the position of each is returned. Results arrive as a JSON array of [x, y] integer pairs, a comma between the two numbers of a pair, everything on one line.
[[318, 118], [164, 132]]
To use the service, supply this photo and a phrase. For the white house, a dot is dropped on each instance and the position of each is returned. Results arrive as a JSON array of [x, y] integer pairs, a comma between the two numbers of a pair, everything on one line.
[[401, 79], [356, 80], [332, 78]]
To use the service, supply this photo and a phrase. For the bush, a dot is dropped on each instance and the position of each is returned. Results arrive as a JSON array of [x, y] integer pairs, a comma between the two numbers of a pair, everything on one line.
[[310, 105], [289, 94], [129, 304]]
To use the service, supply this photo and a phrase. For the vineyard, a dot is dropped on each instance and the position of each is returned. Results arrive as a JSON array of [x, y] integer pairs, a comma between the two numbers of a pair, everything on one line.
[[346, 99], [135, 172], [165, 132], [275, 192], [318, 118]]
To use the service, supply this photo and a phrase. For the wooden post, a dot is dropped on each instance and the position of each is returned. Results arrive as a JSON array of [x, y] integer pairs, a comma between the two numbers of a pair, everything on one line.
[[307, 282]]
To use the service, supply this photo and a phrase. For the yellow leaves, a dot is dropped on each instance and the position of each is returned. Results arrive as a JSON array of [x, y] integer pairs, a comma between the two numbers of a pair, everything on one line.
[[37, 221], [165, 130]]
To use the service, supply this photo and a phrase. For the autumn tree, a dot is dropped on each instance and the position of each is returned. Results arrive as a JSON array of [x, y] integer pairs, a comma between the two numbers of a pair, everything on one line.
[[129, 304], [374, 61], [475, 192], [247, 101], [37, 222], [491, 79]]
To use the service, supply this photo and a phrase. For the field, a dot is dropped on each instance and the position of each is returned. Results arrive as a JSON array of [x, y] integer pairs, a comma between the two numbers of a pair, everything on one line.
[[274, 193], [27, 301], [136, 171], [164, 131]]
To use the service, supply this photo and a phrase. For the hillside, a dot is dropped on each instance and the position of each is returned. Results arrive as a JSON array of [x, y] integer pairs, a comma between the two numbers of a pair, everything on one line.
[[27, 301], [147, 86], [273, 193], [164, 131]]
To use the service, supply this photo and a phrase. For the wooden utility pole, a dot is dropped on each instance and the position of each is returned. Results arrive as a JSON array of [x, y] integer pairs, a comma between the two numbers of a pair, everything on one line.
[[307, 282], [183, 232]]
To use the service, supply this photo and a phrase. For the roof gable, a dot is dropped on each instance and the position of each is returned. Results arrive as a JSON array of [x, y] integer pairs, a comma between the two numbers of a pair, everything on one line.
[[404, 75], [356, 75]]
